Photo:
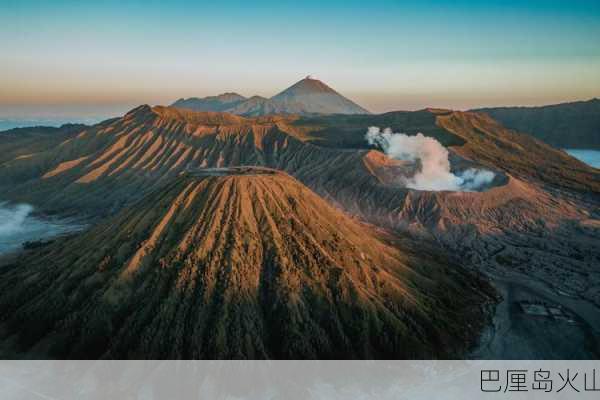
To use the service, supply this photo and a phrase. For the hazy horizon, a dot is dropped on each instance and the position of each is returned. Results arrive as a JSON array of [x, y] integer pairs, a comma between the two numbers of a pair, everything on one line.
[[73, 60]]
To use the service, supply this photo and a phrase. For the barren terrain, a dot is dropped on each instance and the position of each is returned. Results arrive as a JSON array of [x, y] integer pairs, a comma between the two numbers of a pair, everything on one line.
[[540, 220]]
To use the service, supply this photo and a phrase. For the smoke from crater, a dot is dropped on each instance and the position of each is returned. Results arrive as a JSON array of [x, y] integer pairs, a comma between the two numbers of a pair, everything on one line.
[[434, 166], [12, 219]]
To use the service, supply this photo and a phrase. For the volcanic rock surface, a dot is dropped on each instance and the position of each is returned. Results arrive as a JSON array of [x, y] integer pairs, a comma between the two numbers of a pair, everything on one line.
[[238, 263], [541, 220]]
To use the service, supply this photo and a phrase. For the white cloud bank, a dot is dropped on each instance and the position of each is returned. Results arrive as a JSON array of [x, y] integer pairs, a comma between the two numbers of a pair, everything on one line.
[[434, 167]]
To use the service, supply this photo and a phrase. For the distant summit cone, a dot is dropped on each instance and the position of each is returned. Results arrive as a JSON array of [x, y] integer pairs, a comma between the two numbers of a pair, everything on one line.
[[311, 96], [237, 263], [307, 85], [305, 97]]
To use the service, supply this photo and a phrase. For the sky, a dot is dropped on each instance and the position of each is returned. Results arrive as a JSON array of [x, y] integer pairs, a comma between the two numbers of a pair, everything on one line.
[[99, 59]]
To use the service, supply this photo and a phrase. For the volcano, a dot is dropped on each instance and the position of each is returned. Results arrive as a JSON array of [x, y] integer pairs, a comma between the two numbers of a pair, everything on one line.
[[545, 202], [305, 97], [238, 263], [311, 96]]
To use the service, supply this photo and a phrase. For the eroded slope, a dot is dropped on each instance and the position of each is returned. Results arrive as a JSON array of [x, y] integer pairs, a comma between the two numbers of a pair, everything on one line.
[[238, 263]]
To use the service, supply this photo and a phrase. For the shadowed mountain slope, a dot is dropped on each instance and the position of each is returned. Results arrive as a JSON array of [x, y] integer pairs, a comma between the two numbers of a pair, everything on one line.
[[23, 142], [521, 155], [567, 125], [238, 263], [256, 106], [221, 102]]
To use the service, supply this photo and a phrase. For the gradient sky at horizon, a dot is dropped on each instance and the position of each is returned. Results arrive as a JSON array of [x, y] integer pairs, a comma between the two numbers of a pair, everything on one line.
[[69, 58]]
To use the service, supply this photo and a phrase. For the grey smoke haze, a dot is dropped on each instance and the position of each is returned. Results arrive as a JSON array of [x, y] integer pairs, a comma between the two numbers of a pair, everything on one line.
[[12, 219], [434, 173], [18, 225]]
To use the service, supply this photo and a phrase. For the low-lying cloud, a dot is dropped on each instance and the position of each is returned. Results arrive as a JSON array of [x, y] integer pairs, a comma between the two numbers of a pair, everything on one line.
[[12, 218], [433, 165], [18, 225]]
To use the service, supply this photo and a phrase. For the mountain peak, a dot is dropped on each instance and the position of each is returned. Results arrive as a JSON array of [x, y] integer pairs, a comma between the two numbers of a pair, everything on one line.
[[142, 109], [310, 84], [307, 96], [312, 96], [139, 112]]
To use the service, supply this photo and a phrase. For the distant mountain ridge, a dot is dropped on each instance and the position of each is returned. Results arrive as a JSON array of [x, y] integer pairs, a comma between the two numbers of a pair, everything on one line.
[[306, 97], [23, 142], [221, 102], [564, 125]]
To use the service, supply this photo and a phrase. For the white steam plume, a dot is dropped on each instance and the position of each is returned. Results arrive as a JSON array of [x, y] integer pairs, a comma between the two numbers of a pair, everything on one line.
[[434, 169], [11, 219]]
